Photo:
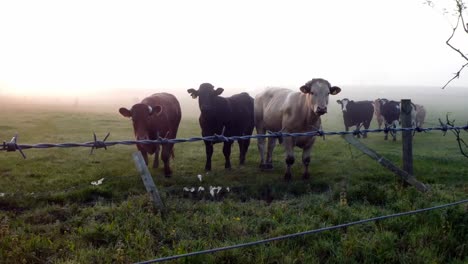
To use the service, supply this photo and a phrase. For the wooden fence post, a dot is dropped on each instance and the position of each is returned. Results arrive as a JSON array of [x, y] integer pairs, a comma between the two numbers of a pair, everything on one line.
[[148, 182], [407, 136]]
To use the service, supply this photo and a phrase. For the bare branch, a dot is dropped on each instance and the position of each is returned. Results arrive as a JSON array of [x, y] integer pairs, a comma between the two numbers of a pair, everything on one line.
[[457, 75]]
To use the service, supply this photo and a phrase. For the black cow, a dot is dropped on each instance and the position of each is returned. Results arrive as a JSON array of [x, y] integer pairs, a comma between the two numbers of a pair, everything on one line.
[[390, 110], [356, 113], [231, 116]]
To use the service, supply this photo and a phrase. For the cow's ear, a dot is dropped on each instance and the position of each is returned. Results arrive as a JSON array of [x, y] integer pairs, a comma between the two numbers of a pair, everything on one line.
[[193, 93], [305, 89], [335, 90], [219, 91], [338, 101], [125, 112], [156, 110]]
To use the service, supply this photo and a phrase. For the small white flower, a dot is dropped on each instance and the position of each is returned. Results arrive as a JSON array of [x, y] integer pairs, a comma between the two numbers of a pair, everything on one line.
[[227, 188], [201, 189], [192, 189], [186, 189], [98, 182], [212, 191], [199, 177], [2, 194], [219, 189]]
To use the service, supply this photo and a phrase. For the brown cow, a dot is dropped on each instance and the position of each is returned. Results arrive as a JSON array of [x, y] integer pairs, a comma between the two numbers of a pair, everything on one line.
[[156, 116], [279, 109]]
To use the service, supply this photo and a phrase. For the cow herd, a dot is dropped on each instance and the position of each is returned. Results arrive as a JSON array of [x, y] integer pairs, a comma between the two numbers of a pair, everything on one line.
[[387, 112], [274, 109]]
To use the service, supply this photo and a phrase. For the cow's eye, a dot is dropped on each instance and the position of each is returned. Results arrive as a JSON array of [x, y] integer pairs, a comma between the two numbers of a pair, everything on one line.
[[312, 93]]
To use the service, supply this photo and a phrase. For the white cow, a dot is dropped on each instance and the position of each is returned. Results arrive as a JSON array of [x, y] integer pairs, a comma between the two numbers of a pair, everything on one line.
[[284, 110], [420, 116]]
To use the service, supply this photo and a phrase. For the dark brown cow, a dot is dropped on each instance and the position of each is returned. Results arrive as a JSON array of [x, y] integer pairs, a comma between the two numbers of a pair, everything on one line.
[[228, 116], [156, 116]]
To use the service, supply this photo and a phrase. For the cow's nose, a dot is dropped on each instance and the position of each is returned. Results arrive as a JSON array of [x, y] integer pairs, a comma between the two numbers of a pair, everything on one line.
[[321, 110]]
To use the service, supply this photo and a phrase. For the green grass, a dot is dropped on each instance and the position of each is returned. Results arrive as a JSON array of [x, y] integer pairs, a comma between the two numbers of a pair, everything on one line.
[[51, 212]]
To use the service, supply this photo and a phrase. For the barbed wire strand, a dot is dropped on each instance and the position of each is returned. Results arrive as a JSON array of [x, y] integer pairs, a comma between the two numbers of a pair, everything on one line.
[[13, 145], [315, 231]]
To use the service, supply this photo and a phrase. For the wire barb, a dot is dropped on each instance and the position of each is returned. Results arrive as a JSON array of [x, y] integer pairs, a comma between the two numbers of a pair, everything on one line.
[[97, 144], [13, 146]]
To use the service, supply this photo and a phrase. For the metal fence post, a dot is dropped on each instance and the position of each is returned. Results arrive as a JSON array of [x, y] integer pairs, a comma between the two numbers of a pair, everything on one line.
[[407, 137]]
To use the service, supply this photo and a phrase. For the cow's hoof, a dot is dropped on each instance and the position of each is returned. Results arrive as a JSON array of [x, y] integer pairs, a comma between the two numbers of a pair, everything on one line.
[[306, 176], [394, 139], [287, 177], [155, 166], [168, 175], [207, 169]]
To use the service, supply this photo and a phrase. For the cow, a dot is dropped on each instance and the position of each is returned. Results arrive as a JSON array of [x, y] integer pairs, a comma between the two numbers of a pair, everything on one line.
[[420, 116], [390, 110], [378, 115], [156, 116], [284, 110], [227, 116], [356, 113]]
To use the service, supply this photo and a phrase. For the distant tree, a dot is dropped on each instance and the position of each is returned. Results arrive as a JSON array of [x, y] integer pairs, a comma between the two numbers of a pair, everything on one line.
[[460, 15]]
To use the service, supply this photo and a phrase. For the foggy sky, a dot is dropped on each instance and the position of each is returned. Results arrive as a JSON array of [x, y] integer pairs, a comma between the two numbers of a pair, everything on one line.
[[63, 48]]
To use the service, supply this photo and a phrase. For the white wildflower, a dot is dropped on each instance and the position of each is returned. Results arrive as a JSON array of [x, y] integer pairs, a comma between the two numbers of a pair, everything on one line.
[[227, 188], [2, 194], [199, 177], [201, 189]]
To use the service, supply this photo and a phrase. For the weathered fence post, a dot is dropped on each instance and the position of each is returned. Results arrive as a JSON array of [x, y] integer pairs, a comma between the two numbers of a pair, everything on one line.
[[407, 136], [148, 182]]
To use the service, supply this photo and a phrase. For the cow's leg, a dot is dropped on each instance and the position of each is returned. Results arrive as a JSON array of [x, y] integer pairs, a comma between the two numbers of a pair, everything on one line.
[[209, 153], [227, 154], [269, 159], [288, 143], [366, 126], [156, 156], [145, 156], [166, 157], [261, 147], [306, 159], [243, 146], [386, 133]]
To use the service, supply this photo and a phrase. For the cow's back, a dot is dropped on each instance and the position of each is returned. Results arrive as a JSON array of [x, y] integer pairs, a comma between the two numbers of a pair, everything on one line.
[[167, 122]]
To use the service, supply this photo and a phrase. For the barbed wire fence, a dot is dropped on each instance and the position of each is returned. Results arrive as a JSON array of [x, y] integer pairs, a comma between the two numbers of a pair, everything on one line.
[[13, 144]]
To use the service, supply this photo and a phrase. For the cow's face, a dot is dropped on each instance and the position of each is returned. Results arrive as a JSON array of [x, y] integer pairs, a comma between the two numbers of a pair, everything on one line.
[[206, 96], [140, 115], [344, 104], [320, 90]]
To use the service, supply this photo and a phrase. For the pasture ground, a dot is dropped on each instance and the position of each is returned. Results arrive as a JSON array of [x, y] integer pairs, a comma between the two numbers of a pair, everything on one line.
[[50, 213]]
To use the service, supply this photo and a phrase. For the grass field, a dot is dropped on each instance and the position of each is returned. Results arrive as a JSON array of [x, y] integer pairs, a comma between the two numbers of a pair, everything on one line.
[[50, 213]]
